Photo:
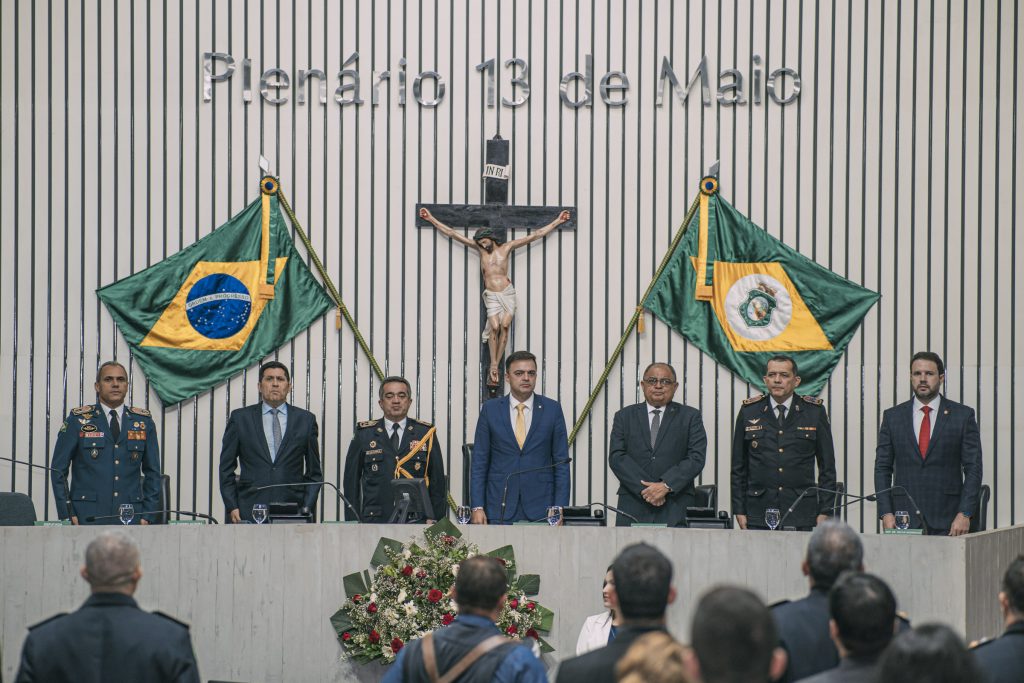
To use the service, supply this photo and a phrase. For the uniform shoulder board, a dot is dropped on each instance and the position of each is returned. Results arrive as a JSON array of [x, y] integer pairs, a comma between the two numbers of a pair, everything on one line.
[[422, 422], [168, 617], [813, 400], [754, 399], [903, 616], [81, 410], [975, 644], [368, 423], [780, 603], [47, 621], [140, 411]]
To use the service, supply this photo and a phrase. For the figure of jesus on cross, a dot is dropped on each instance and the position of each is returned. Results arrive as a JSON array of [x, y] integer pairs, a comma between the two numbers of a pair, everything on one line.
[[499, 295]]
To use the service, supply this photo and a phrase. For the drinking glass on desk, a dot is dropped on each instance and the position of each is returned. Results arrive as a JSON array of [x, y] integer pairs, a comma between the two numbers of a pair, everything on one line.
[[554, 515], [259, 513], [127, 513], [771, 518], [902, 519], [462, 514]]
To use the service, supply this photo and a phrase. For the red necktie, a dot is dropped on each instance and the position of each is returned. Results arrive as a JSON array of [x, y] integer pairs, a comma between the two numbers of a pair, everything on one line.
[[926, 432]]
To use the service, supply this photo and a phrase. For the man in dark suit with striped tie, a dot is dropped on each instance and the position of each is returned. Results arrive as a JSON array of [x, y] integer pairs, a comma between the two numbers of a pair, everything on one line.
[[930, 446], [271, 442]]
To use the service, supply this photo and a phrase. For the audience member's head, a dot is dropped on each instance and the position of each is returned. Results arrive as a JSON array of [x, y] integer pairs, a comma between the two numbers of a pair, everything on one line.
[[833, 549], [1011, 598], [655, 657], [931, 653], [643, 583], [480, 585], [734, 639], [112, 563], [863, 612]]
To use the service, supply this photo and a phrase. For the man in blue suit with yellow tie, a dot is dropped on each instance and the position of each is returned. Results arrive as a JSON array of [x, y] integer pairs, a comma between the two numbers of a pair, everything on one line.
[[519, 432], [931, 447]]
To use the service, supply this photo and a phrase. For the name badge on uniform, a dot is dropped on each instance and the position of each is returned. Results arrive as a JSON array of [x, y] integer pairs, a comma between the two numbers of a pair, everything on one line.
[[91, 435], [755, 428], [375, 452]]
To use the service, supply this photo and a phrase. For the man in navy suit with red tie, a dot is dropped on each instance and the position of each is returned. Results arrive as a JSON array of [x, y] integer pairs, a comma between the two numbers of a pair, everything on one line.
[[517, 432], [931, 447]]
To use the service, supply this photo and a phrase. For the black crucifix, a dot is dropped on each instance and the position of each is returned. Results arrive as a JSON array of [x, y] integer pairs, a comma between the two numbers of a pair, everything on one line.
[[493, 218]]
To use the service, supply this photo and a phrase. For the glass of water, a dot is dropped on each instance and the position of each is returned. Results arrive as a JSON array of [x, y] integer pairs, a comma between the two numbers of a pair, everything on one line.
[[554, 515], [771, 518], [126, 513], [902, 519], [259, 513], [462, 514]]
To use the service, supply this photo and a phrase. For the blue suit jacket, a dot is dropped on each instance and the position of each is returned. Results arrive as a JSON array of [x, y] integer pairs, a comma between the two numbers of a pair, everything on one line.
[[496, 455], [947, 480]]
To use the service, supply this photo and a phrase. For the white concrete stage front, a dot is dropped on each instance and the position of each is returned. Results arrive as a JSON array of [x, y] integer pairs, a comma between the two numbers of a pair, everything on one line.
[[259, 598]]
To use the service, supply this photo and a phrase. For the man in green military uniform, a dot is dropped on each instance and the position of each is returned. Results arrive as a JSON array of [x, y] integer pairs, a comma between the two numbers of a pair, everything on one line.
[[395, 446], [778, 439], [113, 454]]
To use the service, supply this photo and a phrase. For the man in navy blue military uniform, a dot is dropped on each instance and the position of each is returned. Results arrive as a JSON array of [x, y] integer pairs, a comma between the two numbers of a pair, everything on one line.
[[395, 446], [1002, 659], [109, 638], [112, 452], [779, 436], [472, 644]]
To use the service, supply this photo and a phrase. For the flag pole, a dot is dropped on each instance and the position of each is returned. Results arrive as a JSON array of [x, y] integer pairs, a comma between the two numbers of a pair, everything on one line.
[[342, 309], [637, 315]]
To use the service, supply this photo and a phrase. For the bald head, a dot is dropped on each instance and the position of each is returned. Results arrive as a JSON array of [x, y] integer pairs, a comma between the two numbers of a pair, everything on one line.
[[112, 563]]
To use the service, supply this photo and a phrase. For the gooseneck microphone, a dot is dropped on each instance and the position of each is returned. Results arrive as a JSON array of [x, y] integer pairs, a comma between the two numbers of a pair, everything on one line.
[[917, 509], [64, 479], [504, 493], [818, 489], [198, 515], [314, 483], [614, 509]]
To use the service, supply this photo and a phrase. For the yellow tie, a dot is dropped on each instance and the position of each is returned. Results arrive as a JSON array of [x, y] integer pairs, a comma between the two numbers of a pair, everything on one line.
[[520, 425]]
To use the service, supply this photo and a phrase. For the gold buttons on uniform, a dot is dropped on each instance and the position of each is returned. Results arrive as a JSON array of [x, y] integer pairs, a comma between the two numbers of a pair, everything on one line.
[[780, 469], [116, 477], [780, 432], [115, 494], [781, 449]]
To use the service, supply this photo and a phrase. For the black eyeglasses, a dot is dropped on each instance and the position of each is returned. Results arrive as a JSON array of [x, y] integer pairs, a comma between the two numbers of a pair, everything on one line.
[[655, 381]]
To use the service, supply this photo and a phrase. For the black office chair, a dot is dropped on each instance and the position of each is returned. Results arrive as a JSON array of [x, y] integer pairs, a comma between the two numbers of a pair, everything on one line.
[[704, 514], [467, 471], [979, 520], [706, 496], [16, 509]]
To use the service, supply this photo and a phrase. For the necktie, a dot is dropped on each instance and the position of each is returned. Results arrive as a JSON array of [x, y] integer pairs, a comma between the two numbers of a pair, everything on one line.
[[275, 431], [782, 412], [926, 431], [655, 426], [520, 425], [396, 440], [115, 426]]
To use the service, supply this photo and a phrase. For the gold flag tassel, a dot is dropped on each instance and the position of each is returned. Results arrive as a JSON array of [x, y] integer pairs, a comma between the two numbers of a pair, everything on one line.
[[640, 321]]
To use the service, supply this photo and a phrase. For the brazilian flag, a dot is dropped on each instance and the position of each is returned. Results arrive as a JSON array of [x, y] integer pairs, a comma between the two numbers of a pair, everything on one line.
[[742, 296], [218, 306]]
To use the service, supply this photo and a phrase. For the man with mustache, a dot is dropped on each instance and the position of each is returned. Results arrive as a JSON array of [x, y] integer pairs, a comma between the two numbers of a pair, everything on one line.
[[499, 295], [930, 446]]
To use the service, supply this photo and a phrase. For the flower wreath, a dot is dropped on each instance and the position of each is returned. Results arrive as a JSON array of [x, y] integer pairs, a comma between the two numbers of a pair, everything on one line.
[[409, 595]]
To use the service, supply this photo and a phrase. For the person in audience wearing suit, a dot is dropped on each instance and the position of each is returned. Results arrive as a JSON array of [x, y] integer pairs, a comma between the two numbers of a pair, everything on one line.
[[520, 431], [657, 449], [270, 442], [929, 446], [113, 454], [383, 449], [600, 629], [1002, 659], [863, 611], [641, 593], [778, 439], [109, 638]]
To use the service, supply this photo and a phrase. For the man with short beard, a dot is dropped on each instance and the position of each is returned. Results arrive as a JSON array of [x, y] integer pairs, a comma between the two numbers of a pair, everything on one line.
[[930, 446]]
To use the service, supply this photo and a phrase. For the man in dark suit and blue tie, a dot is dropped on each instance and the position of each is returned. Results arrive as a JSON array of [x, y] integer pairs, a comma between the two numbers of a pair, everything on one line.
[[930, 446], [274, 443], [657, 449], [517, 432]]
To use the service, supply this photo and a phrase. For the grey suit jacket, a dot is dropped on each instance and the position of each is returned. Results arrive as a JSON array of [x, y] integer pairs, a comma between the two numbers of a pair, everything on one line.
[[676, 459]]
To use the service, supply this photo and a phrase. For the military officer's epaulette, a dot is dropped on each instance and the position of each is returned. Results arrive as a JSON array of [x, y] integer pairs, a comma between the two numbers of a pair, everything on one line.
[[47, 621], [975, 644], [367, 423], [754, 399], [168, 617], [82, 410], [422, 422], [813, 400], [140, 411], [780, 603]]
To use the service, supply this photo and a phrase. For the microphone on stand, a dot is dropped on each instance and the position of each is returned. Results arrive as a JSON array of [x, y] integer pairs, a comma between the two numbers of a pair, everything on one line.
[[614, 509], [198, 515], [504, 493], [63, 476], [314, 483], [818, 489], [873, 497]]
